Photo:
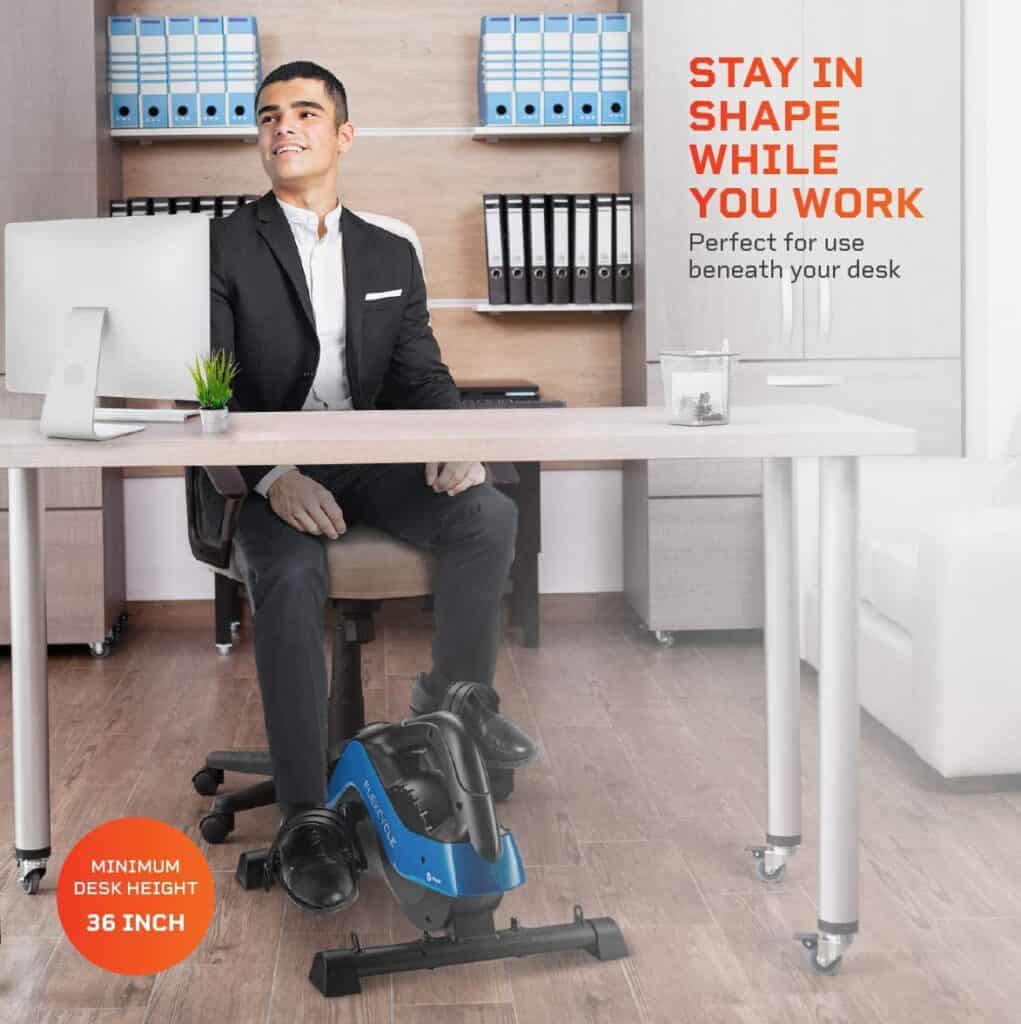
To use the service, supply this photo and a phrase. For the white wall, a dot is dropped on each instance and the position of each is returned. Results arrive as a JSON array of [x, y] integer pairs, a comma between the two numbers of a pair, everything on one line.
[[992, 225], [581, 537]]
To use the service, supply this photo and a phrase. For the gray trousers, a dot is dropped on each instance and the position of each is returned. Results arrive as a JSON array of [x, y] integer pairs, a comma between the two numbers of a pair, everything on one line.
[[471, 537]]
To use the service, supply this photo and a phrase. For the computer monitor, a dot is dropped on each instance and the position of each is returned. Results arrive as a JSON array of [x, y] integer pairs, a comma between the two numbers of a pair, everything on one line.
[[110, 306]]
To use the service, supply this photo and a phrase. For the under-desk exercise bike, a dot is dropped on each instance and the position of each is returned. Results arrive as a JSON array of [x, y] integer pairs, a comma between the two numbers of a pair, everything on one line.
[[415, 798]]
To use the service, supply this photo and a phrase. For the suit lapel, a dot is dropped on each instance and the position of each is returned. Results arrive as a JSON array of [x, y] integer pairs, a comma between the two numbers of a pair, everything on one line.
[[355, 255], [276, 231]]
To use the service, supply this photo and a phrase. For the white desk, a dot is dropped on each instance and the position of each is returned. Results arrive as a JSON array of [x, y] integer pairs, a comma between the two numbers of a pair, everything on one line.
[[777, 435]]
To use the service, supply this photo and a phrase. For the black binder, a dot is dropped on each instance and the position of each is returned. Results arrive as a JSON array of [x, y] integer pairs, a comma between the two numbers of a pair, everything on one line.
[[560, 249], [495, 250], [581, 230], [517, 271], [602, 281], [538, 263], [623, 275]]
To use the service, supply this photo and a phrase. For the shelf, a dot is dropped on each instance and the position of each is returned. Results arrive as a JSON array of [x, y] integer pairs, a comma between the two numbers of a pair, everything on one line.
[[568, 307], [595, 132], [145, 136]]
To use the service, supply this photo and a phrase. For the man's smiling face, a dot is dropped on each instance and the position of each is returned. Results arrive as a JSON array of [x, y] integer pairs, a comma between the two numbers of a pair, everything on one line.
[[298, 139]]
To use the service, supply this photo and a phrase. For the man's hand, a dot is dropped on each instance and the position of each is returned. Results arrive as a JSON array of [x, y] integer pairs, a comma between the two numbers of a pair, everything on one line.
[[453, 477], [306, 505]]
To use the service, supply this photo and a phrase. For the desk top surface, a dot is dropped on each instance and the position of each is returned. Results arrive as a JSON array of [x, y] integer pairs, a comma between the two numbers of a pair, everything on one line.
[[526, 435]]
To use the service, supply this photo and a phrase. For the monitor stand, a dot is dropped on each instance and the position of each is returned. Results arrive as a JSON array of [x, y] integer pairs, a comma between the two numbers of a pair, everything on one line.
[[70, 406]]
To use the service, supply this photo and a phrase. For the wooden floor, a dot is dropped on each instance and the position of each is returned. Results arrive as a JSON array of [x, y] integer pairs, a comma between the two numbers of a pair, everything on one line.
[[650, 783]]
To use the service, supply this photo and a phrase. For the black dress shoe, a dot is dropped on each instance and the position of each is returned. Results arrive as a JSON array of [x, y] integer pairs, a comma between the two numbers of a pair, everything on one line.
[[501, 743], [316, 860]]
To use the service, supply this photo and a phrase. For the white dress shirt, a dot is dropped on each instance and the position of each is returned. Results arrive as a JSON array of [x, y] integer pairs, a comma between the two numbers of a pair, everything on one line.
[[322, 260]]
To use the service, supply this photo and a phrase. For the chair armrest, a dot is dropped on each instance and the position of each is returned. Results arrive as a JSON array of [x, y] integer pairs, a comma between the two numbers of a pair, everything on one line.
[[228, 481], [502, 473], [214, 495]]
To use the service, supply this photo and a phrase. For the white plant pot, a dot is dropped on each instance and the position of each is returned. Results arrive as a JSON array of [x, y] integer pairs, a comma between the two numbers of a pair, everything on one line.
[[214, 421]]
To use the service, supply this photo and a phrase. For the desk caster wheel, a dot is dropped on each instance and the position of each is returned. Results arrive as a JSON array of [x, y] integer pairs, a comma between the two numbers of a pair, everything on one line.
[[100, 649], [822, 953], [30, 883], [765, 875], [501, 784], [216, 827], [665, 638], [207, 781]]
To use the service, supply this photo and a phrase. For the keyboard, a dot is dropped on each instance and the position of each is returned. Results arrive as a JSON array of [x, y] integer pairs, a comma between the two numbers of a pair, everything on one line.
[[144, 415], [512, 403]]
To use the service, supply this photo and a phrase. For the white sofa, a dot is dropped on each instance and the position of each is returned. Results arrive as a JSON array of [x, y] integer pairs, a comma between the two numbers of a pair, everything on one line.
[[940, 617]]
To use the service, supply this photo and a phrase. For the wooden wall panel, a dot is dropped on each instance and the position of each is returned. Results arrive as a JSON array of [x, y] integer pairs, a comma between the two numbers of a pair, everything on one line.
[[409, 65], [57, 160], [404, 63], [435, 184], [570, 356]]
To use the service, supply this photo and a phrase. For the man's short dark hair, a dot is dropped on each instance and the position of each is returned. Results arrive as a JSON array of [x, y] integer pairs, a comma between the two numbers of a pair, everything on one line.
[[306, 69]]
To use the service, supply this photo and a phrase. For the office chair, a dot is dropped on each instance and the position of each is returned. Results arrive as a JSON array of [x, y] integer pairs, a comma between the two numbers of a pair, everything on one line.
[[365, 566]]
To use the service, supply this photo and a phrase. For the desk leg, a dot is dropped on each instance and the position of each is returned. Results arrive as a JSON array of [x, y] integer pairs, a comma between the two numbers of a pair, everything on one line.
[[783, 672], [839, 713], [28, 677]]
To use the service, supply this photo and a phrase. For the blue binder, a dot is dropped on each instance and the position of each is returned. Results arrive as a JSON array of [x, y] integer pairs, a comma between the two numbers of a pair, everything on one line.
[[183, 72], [496, 70], [615, 69], [585, 69], [122, 70], [556, 69], [212, 73], [242, 67], [527, 69], [153, 73]]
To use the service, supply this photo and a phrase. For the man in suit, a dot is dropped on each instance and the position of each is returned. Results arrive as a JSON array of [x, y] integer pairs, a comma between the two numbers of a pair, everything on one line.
[[323, 310]]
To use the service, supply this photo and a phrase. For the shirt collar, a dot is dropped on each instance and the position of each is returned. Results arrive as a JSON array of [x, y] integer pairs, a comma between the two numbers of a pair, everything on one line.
[[298, 217]]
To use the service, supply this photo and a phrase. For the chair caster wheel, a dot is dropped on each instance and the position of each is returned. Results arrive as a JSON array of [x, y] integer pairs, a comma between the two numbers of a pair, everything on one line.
[[501, 784], [100, 649], [216, 827], [30, 883], [207, 780]]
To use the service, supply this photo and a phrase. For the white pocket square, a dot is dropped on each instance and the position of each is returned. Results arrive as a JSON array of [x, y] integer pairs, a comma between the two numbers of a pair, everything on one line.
[[372, 296]]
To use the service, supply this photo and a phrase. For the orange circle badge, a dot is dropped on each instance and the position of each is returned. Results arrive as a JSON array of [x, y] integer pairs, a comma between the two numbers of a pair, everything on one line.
[[135, 896]]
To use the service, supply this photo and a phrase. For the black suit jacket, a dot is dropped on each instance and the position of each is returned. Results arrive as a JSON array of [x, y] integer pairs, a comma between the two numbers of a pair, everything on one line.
[[262, 313]]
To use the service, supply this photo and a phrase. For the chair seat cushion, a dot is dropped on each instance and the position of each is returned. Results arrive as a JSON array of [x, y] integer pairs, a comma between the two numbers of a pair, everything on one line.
[[368, 564]]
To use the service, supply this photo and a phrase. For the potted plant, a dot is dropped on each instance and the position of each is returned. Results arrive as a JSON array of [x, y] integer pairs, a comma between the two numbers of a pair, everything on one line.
[[212, 376]]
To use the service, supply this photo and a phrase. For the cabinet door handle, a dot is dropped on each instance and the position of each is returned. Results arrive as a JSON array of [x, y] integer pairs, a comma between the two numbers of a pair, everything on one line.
[[825, 311], [786, 315], [802, 380]]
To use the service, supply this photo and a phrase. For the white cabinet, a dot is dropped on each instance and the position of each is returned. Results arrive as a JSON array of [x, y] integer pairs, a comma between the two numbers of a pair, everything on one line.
[[900, 130], [876, 346], [685, 313]]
